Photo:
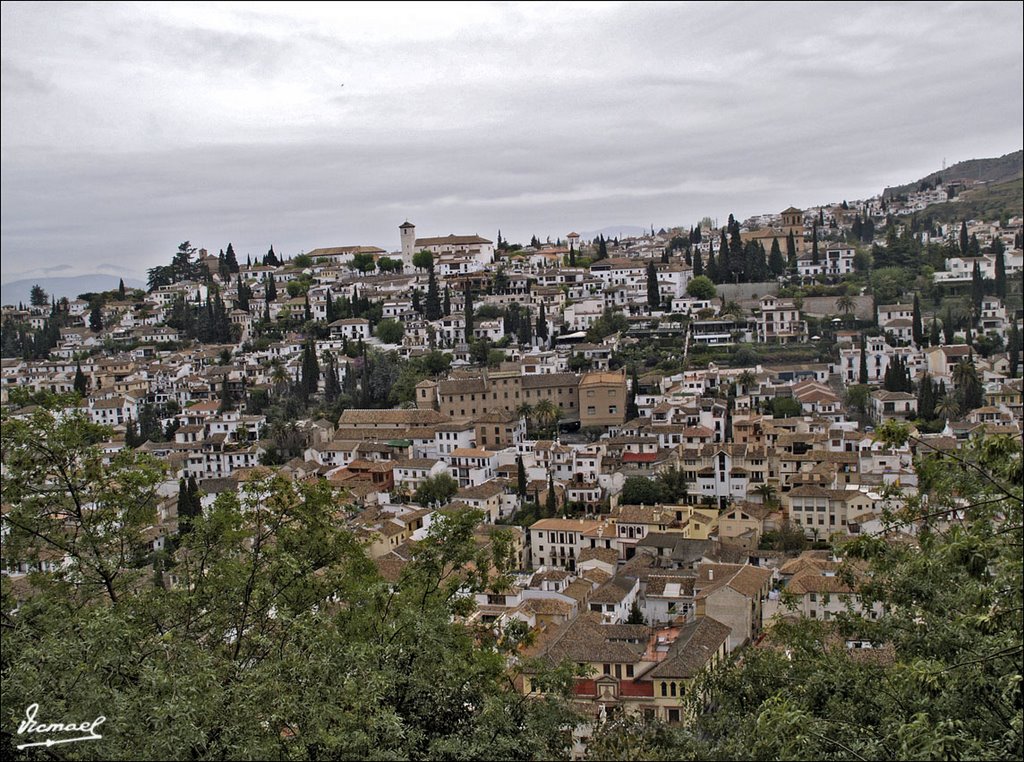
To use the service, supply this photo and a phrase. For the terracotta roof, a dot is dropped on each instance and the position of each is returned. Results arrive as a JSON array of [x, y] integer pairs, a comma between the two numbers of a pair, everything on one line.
[[695, 646]]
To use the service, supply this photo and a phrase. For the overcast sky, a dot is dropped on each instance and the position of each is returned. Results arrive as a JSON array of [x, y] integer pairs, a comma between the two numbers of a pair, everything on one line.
[[130, 128]]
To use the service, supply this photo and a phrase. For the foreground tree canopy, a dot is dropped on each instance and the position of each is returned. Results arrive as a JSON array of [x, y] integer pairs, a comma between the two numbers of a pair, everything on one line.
[[945, 679], [268, 634]]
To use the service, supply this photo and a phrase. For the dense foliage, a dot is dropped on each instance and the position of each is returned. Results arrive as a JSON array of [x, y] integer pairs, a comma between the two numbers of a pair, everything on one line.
[[267, 633]]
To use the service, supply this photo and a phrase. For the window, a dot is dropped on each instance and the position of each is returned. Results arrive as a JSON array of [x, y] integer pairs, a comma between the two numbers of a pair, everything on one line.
[[664, 689], [629, 670]]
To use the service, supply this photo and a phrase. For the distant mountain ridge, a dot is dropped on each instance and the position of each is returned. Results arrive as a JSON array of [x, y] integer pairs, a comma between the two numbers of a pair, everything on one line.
[[18, 290], [614, 231], [999, 170]]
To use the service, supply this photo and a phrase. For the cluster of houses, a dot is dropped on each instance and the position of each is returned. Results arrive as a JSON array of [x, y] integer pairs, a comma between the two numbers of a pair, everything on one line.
[[644, 597]]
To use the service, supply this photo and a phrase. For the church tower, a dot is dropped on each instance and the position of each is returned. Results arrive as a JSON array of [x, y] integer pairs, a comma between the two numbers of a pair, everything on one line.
[[408, 235]]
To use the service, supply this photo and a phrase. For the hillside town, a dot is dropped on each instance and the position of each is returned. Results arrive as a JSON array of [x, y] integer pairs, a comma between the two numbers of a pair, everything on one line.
[[674, 427]]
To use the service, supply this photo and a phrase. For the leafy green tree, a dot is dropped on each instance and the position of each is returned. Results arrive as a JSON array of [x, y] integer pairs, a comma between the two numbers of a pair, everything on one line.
[[638, 489], [701, 287], [423, 260], [363, 262], [390, 331], [437, 490], [278, 639], [943, 685]]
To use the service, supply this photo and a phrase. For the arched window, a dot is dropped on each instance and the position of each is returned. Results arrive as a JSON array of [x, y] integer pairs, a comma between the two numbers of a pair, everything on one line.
[[664, 689], [673, 688]]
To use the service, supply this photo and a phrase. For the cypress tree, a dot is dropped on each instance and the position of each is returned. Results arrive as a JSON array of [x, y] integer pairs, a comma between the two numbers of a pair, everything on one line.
[[632, 411], [184, 508], [926, 398], [120, 289], [948, 329], [997, 250], [550, 504], [711, 270], [432, 304], [964, 242], [1013, 345], [232, 261], [131, 434], [542, 323], [469, 312], [790, 251], [81, 382], [572, 254], [776, 264], [862, 377], [271, 288], [520, 477], [977, 290], [653, 294], [815, 258], [917, 328], [96, 318], [447, 301], [698, 264], [935, 338]]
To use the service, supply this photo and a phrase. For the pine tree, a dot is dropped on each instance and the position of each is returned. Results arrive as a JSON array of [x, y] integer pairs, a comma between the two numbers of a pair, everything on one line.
[[653, 294], [917, 329], [81, 382]]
